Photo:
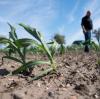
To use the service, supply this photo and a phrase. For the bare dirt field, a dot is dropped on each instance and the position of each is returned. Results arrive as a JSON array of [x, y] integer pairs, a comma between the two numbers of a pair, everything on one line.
[[77, 77]]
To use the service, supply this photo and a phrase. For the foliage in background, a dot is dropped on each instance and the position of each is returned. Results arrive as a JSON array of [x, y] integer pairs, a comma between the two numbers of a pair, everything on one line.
[[74, 47], [53, 47], [97, 35], [96, 47], [78, 42], [60, 39]]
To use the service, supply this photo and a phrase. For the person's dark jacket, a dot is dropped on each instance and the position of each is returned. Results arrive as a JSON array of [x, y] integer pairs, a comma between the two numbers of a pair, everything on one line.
[[87, 23]]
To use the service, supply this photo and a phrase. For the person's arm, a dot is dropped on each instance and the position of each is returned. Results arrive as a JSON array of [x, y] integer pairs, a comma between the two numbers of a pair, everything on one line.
[[92, 25], [83, 28]]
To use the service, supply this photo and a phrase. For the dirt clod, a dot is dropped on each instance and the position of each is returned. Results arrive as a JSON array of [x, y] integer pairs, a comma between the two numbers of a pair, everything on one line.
[[50, 94], [73, 97]]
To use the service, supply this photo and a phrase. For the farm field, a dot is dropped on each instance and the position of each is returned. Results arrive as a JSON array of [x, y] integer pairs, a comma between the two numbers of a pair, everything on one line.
[[50, 49], [77, 77]]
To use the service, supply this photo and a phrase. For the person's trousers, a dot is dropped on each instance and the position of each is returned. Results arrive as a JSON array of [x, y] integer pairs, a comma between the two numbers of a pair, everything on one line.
[[87, 41]]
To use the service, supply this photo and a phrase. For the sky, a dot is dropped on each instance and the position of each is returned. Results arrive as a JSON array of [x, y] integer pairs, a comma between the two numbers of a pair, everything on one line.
[[48, 16]]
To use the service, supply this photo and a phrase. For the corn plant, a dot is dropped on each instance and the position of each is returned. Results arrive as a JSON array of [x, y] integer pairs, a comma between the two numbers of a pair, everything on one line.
[[97, 35], [60, 39], [96, 47], [37, 35], [37, 49], [53, 47], [19, 46]]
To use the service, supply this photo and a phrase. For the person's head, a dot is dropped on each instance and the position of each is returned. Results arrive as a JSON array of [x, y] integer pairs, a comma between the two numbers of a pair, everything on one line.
[[88, 13]]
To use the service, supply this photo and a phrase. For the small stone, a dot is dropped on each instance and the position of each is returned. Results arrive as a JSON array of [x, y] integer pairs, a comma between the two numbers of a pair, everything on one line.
[[76, 63], [67, 64], [64, 89], [61, 86], [50, 94], [12, 84], [47, 88], [12, 67], [38, 84], [25, 92], [17, 95], [73, 97], [68, 85], [96, 96]]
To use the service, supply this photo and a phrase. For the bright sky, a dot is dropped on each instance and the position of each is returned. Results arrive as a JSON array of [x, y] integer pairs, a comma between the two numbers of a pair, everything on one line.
[[48, 16]]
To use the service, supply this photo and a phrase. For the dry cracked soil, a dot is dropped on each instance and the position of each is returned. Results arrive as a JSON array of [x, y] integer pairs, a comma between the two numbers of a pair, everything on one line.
[[77, 77]]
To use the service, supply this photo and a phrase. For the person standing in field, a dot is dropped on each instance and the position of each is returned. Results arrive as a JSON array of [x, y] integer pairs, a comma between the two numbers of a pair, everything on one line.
[[87, 27]]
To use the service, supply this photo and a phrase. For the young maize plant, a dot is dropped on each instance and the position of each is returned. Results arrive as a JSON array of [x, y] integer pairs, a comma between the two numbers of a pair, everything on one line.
[[19, 46], [97, 49], [53, 47], [37, 35], [60, 39], [62, 49]]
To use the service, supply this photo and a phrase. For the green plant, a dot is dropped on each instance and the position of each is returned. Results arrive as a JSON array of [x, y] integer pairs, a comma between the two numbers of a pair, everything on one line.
[[60, 39], [97, 35], [96, 47], [53, 47], [37, 35], [19, 46]]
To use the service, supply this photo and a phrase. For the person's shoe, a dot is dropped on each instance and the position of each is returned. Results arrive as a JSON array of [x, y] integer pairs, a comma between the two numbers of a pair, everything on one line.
[[86, 49]]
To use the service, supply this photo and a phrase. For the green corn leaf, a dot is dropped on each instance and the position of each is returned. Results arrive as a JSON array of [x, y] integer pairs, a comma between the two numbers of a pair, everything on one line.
[[38, 36], [39, 48], [4, 40], [44, 46], [62, 49], [10, 49], [13, 58], [42, 74], [12, 33], [12, 44], [29, 64], [32, 31], [25, 42], [95, 46], [53, 47], [52, 42]]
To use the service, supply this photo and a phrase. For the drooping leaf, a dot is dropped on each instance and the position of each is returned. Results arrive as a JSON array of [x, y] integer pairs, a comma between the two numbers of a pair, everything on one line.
[[12, 33], [25, 42], [32, 31], [53, 46], [30, 64], [60, 39], [13, 58], [43, 73], [38, 36], [4, 40]]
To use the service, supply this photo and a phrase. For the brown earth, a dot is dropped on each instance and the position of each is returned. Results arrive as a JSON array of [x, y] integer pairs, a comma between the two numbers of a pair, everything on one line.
[[77, 77]]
